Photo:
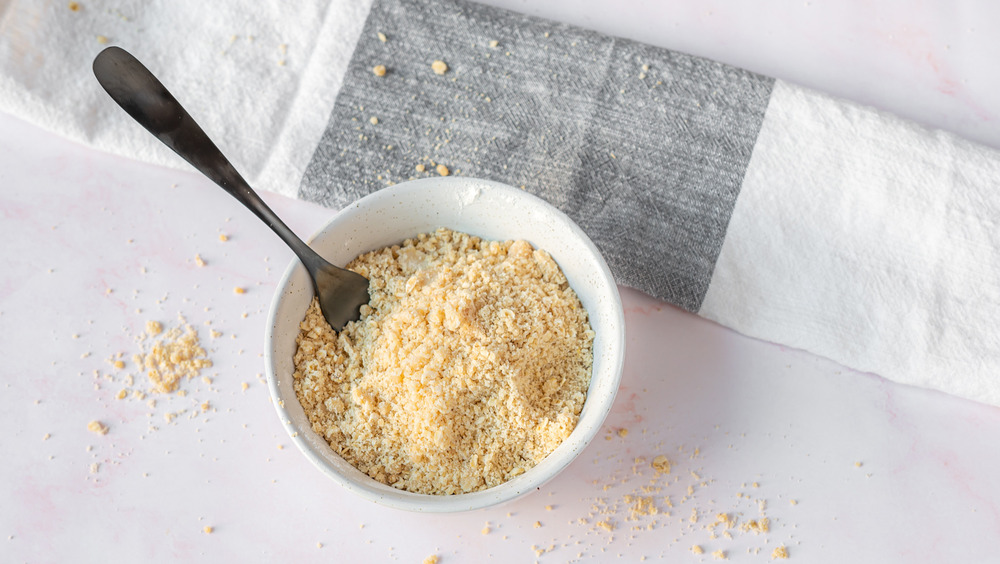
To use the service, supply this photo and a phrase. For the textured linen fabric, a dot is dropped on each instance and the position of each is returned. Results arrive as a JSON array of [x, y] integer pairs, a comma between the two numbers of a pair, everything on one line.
[[643, 147], [868, 240]]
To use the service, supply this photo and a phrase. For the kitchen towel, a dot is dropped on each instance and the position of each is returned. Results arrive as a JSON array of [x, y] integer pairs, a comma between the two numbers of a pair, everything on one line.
[[774, 210]]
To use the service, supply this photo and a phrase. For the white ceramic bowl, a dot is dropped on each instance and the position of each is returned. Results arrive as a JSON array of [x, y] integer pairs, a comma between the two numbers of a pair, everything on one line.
[[489, 210]]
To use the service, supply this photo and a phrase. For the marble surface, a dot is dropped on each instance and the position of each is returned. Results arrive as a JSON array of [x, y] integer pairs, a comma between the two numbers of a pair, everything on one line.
[[846, 466]]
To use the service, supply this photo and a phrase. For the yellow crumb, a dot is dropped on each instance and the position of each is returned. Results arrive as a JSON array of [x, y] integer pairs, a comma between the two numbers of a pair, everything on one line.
[[793, 502], [719, 554], [122, 393], [661, 464], [420, 168], [154, 327], [102, 39], [205, 406], [442, 170], [697, 549], [97, 427], [857, 464], [46, 437], [538, 524], [494, 43], [74, 6], [198, 260], [244, 386], [780, 552], [373, 120], [432, 559], [439, 67], [382, 37], [239, 290], [379, 70], [208, 530], [485, 531], [623, 432]]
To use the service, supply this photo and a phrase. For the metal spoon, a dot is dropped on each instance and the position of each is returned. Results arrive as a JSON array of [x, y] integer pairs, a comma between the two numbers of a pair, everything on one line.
[[341, 292]]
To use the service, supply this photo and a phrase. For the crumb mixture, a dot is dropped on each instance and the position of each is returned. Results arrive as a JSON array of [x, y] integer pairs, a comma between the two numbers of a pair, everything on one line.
[[469, 365], [174, 357]]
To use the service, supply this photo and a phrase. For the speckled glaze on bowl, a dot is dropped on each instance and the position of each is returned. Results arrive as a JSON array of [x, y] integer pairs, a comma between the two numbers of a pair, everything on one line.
[[479, 207]]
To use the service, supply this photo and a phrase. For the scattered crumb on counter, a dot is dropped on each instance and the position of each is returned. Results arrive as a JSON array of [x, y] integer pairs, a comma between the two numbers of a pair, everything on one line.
[[439, 67], [779, 552], [661, 464], [379, 70], [176, 356], [697, 549], [442, 170], [382, 37], [96, 426]]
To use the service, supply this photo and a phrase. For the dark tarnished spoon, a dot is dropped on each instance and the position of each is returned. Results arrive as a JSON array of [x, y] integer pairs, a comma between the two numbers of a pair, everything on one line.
[[341, 292]]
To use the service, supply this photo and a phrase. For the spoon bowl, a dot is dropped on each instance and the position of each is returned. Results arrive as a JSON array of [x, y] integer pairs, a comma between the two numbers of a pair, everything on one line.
[[341, 292]]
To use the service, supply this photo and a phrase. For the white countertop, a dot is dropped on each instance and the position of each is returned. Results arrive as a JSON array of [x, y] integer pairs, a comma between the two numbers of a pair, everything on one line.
[[847, 467]]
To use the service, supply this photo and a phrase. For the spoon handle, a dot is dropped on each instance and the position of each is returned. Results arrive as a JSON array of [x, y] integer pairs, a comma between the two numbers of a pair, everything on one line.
[[143, 96]]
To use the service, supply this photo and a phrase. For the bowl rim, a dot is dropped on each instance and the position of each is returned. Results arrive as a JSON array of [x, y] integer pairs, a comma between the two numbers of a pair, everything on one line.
[[532, 479]]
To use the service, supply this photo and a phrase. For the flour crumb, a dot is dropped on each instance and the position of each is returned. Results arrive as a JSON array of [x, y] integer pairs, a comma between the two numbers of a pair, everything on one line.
[[420, 168], [176, 356], [697, 549], [208, 530], [432, 559], [779, 552], [382, 37], [97, 427], [442, 170], [661, 464], [439, 67], [379, 70]]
